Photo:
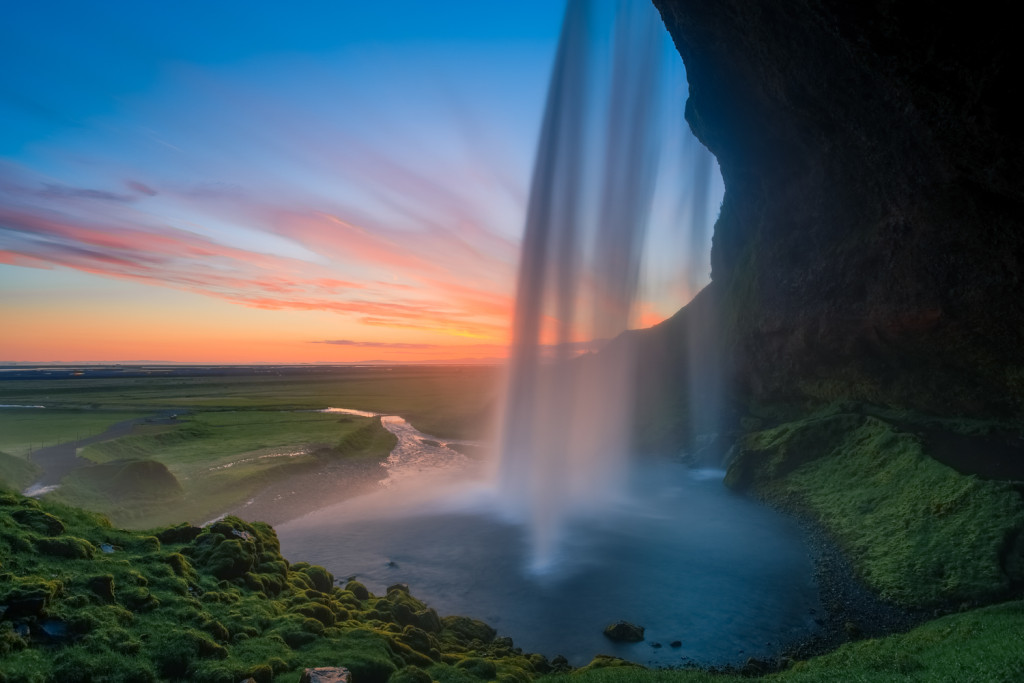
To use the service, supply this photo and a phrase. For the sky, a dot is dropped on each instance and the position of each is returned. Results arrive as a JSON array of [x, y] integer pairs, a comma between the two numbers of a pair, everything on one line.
[[260, 182]]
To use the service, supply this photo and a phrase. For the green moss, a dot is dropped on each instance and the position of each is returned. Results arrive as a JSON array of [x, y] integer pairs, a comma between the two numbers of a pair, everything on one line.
[[38, 521], [67, 547], [917, 532], [410, 674], [479, 668], [466, 630]]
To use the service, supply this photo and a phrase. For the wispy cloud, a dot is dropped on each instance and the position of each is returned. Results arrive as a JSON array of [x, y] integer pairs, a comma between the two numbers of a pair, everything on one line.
[[376, 345], [376, 276], [55, 191]]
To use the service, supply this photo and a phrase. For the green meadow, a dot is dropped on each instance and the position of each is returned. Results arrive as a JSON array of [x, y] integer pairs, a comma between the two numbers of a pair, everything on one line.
[[203, 444]]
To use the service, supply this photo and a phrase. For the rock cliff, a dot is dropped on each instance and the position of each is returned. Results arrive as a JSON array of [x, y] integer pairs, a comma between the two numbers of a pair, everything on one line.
[[870, 243]]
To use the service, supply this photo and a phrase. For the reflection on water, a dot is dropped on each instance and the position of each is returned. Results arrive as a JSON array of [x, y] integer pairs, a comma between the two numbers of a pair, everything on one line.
[[686, 559]]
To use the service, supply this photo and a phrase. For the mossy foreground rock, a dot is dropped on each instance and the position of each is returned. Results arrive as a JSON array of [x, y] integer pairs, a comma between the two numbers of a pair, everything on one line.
[[917, 532], [82, 601]]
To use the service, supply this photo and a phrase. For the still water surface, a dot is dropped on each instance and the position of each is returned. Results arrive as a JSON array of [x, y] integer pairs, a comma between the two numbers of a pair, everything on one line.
[[679, 554]]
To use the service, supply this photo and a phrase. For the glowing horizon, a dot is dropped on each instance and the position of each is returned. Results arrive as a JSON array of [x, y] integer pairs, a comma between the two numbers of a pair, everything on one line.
[[340, 184]]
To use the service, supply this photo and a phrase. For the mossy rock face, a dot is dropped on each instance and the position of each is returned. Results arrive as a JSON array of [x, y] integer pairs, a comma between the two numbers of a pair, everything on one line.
[[227, 549], [321, 579], [917, 532], [479, 668], [38, 521], [358, 590], [419, 640], [316, 611], [467, 630]]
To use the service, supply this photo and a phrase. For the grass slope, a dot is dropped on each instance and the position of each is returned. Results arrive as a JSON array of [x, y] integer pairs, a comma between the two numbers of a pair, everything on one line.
[[25, 430], [918, 532]]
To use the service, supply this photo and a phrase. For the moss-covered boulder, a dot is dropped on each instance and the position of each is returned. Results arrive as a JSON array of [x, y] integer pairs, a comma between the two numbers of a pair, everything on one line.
[[468, 630]]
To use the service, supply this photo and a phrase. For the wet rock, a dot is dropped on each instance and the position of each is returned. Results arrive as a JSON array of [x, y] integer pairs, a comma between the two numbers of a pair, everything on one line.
[[103, 587], [676, 643], [326, 674], [624, 632]]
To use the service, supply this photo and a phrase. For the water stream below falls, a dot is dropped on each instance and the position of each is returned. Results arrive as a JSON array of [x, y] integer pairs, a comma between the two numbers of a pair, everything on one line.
[[682, 556]]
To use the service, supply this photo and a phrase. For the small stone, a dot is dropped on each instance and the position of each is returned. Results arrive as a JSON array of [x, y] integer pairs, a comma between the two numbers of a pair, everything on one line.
[[624, 632], [326, 674], [676, 643]]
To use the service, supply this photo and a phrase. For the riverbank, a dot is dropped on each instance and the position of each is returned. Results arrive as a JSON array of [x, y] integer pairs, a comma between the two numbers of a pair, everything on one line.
[[300, 494]]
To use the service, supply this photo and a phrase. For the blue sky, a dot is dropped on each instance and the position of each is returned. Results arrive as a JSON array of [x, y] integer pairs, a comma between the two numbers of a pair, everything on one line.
[[268, 176]]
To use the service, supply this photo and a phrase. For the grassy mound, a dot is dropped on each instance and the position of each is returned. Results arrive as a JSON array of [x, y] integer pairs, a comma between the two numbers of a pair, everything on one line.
[[918, 533], [16, 472], [85, 601]]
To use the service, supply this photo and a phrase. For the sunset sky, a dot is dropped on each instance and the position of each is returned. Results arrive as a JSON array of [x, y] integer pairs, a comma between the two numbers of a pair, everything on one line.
[[242, 182]]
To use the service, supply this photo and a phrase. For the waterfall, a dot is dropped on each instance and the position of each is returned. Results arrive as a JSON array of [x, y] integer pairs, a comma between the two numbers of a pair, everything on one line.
[[563, 444]]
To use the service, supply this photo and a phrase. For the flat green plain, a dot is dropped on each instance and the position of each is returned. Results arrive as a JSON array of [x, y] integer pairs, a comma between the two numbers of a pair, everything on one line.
[[224, 437]]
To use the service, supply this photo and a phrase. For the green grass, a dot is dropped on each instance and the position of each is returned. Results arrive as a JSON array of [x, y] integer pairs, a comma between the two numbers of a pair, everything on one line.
[[24, 430], [16, 472], [450, 402], [212, 461], [234, 433], [916, 531], [203, 441]]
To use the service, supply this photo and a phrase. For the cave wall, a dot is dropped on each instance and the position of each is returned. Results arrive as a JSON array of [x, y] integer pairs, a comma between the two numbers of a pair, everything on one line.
[[870, 243]]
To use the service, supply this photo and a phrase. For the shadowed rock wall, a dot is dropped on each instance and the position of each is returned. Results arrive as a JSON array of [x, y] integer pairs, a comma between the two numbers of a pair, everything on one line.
[[870, 244]]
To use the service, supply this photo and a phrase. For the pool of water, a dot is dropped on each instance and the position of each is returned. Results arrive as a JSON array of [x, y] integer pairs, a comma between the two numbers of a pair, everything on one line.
[[681, 555]]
